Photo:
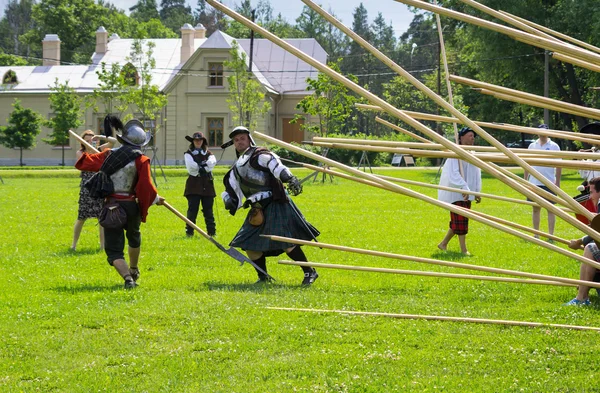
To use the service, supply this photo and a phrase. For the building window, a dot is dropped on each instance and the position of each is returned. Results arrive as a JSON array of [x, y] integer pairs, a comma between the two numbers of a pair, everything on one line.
[[10, 78], [215, 131], [215, 74], [130, 75]]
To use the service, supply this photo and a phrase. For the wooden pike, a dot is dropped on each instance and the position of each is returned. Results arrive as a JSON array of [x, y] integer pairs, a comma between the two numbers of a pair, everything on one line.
[[530, 99], [414, 183], [499, 158], [400, 129], [423, 273], [405, 191], [544, 29], [442, 318], [438, 262], [576, 155], [587, 138], [532, 39], [575, 61], [430, 133]]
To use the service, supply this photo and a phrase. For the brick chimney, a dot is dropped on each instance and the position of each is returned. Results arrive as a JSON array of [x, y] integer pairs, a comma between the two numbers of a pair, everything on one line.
[[101, 40], [51, 50], [200, 31], [187, 42]]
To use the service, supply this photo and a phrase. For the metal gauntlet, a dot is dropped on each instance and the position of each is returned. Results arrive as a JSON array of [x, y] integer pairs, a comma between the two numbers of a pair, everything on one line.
[[294, 187]]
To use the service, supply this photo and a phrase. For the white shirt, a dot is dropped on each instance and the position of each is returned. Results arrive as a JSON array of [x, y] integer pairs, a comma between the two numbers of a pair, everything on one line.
[[193, 168], [451, 178], [546, 171], [589, 174]]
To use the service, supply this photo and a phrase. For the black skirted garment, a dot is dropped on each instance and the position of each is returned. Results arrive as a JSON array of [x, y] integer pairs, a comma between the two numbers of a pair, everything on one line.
[[281, 219]]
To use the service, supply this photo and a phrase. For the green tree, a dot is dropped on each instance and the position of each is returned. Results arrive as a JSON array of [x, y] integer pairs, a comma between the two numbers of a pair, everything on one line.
[[147, 98], [111, 91], [67, 115], [154, 29], [75, 22], [17, 20], [11, 60], [24, 126], [327, 35], [331, 106], [246, 99], [144, 10], [174, 14], [211, 18]]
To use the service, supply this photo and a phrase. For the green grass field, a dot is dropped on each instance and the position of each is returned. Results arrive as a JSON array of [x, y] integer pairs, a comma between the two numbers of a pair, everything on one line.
[[198, 324]]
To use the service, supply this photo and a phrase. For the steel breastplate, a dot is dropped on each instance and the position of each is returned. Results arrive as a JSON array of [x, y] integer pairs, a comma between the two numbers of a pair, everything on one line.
[[124, 179], [251, 180]]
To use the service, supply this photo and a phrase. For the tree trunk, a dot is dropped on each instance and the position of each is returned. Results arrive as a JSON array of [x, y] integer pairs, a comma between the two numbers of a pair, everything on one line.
[[21, 156], [63, 155]]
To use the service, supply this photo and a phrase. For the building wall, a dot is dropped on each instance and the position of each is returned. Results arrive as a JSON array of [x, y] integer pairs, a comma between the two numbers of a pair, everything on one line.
[[190, 103]]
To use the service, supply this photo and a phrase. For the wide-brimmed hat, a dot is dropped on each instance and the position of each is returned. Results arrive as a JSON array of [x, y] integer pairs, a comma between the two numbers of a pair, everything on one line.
[[197, 136], [591, 128], [134, 134]]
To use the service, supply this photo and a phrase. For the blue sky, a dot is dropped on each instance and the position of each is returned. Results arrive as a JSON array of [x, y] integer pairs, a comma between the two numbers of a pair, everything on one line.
[[394, 12]]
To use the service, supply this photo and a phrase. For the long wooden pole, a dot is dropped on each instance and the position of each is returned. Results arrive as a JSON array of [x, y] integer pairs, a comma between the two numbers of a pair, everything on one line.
[[530, 98], [405, 191], [547, 162], [485, 149], [400, 114], [442, 318], [438, 23], [500, 173], [517, 22], [402, 130], [537, 104], [522, 227], [423, 273], [588, 138], [540, 42], [435, 186], [545, 29], [414, 183], [431, 261], [575, 61]]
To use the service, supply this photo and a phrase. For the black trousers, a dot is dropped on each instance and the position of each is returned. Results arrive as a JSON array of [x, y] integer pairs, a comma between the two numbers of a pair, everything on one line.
[[207, 212], [114, 239]]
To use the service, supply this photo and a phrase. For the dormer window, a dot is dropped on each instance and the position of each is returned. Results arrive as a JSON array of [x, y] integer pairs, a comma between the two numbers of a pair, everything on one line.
[[215, 74], [130, 74], [10, 78]]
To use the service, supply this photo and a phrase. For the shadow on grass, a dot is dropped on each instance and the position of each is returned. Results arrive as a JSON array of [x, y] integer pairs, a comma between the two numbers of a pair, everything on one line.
[[249, 287], [450, 255], [88, 288], [84, 251]]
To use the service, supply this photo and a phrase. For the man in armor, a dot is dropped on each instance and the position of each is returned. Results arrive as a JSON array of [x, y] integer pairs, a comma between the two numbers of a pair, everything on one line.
[[199, 186], [123, 176], [258, 176]]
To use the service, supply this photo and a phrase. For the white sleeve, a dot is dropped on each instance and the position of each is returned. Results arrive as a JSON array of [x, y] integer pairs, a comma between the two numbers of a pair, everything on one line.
[[235, 185], [190, 165], [210, 163], [273, 163], [455, 179]]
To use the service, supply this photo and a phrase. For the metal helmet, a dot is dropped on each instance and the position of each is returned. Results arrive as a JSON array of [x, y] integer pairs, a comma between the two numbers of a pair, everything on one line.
[[236, 131], [241, 130], [134, 134]]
